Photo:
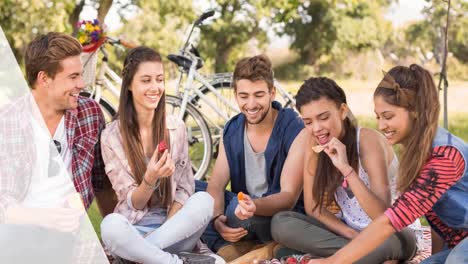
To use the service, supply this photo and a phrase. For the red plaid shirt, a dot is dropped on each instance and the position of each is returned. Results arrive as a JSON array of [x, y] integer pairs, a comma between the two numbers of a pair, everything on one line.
[[17, 152], [84, 126]]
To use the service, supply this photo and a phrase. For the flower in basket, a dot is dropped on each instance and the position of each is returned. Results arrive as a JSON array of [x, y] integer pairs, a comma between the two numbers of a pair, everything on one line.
[[90, 34]]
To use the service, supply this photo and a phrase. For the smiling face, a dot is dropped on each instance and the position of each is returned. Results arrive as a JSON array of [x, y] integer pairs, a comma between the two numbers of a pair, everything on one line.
[[64, 88], [254, 99], [393, 121], [147, 86], [323, 119]]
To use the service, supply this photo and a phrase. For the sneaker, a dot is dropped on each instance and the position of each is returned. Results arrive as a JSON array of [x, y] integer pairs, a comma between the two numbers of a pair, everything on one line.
[[119, 260], [297, 259], [282, 251], [193, 258], [202, 248]]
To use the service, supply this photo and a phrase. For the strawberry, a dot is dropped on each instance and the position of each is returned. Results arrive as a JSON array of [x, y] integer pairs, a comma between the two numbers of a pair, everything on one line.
[[162, 147], [291, 260]]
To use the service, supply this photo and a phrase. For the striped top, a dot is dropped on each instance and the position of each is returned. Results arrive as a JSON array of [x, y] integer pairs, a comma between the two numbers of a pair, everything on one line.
[[442, 170]]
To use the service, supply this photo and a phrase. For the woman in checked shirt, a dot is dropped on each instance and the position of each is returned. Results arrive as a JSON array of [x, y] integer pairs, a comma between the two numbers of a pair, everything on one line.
[[146, 159]]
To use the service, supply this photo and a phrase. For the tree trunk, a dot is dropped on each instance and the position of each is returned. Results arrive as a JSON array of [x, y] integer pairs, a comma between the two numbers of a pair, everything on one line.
[[443, 71], [310, 57], [103, 9], [75, 15], [221, 58]]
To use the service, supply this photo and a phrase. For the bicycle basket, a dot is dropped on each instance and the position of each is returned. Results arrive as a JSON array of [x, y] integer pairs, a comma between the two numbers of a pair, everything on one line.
[[89, 67]]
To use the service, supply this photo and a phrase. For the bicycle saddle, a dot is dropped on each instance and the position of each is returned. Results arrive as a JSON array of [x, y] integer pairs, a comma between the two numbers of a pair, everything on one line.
[[183, 61]]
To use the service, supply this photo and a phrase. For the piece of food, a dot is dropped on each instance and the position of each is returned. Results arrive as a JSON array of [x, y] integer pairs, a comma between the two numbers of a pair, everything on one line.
[[75, 201], [240, 196], [318, 148], [162, 147]]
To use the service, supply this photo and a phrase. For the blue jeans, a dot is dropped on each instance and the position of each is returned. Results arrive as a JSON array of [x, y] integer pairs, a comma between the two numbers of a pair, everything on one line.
[[456, 255], [179, 233], [258, 227]]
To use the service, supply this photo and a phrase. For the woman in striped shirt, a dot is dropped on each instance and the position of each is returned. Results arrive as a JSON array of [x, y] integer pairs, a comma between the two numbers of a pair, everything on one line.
[[433, 173]]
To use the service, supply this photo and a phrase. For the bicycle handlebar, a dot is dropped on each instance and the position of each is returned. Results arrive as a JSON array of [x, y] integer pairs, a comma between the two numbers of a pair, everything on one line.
[[121, 42], [128, 44], [197, 23], [204, 16]]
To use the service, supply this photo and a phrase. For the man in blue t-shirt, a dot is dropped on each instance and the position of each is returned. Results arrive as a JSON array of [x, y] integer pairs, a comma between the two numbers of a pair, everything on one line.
[[261, 155]]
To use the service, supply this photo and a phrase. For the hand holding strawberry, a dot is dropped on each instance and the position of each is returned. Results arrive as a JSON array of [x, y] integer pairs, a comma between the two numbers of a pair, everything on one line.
[[162, 167]]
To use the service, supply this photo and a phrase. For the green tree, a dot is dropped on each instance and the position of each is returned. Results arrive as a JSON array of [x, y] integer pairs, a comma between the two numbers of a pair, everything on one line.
[[23, 20], [158, 24], [237, 22], [428, 33], [324, 27]]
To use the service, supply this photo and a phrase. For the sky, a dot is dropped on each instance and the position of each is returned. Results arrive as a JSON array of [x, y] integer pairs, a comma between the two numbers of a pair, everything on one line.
[[405, 11]]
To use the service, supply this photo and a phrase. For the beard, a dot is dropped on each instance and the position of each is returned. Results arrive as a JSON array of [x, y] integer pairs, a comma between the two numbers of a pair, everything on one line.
[[262, 117]]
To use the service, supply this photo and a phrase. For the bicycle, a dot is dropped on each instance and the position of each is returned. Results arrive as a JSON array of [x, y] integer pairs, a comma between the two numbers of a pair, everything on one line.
[[206, 109], [106, 83], [215, 93]]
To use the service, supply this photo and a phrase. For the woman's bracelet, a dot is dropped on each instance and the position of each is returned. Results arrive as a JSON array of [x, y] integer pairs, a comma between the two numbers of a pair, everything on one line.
[[345, 179], [149, 185]]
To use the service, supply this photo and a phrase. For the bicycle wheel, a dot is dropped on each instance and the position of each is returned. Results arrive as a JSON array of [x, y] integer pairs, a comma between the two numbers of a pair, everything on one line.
[[198, 134], [225, 89], [107, 109]]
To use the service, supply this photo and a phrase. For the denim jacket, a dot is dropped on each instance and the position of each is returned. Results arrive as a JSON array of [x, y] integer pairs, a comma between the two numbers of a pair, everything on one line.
[[452, 207]]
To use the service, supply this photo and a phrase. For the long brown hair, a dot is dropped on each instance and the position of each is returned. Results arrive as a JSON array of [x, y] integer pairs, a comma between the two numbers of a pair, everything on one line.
[[413, 89], [130, 128], [327, 177]]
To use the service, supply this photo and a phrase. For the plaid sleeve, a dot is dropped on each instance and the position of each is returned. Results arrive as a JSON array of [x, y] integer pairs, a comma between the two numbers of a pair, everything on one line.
[[16, 156], [98, 174]]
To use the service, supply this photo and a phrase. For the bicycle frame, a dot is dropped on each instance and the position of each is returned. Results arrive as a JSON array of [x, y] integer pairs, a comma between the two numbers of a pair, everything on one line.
[[289, 99], [105, 79], [190, 92], [193, 74]]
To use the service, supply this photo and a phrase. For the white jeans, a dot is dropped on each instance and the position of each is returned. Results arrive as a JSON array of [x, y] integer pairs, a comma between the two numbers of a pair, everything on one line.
[[178, 234]]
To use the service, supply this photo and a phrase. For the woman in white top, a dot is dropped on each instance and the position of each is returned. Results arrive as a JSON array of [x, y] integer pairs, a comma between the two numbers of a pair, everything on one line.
[[360, 182]]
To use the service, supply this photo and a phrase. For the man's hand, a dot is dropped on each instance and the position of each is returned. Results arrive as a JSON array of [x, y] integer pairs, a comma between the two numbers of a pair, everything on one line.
[[229, 234], [61, 219], [246, 208]]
